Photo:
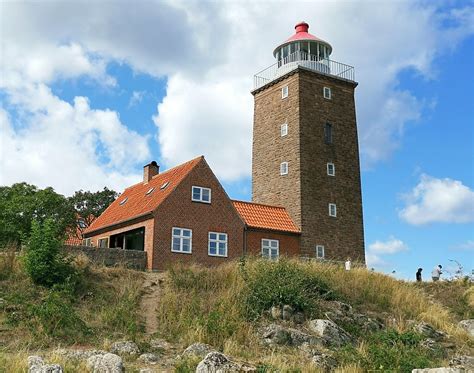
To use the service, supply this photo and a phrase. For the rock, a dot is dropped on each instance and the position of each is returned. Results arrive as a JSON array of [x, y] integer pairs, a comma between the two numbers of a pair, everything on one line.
[[148, 358], [160, 344], [278, 335], [145, 370], [439, 370], [198, 349], [108, 363], [125, 347], [215, 362], [341, 307], [367, 324], [468, 325], [299, 318], [466, 362], [324, 361], [332, 334], [275, 312], [428, 331], [36, 365], [78, 354], [287, 312]]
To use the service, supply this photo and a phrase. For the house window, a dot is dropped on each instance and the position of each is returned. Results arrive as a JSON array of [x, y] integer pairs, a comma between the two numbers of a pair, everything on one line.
[[123, 201], [103, 243], [164, 185], [284, 129], [328, 133], [182, 240], [149, 191], [87, 242], [284, 168], [270, 249], [201, 194], [327, 92], [284, 92], [217, 244], [331, 169], [320, 251], [332, 210]]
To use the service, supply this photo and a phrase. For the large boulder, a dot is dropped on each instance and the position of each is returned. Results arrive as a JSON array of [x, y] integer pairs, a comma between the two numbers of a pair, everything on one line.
[[125, 348], [148, 358], [215, 362], [278, 335], [36, 364], [160, 344], [428, 331], [198, 349], [108, 363], [332, 335], [468, 325]]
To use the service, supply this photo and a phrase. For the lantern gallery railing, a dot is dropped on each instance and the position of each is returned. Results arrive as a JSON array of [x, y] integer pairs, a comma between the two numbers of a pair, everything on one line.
[[303, 59]]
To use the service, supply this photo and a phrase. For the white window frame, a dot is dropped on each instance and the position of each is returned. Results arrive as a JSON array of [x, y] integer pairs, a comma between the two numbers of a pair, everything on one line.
[[284, 130], [330, 206], [320, 247], [181, 237], [328, 166], [327, 90], [103, 238], [87, 242], [218, 241], [200, 194], [284, 92], [270, 248], [283, 168]]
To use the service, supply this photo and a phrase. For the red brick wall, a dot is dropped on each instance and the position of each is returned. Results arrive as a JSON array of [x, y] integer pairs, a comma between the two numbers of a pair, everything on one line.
[[289, 244], [147, 224], [178, 210]]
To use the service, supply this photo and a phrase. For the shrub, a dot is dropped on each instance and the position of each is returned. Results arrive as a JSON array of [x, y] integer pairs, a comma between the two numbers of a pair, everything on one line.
[[279, 283], [43, 260]]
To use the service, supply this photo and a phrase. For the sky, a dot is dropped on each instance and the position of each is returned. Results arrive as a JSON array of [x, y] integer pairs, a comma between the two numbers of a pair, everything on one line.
[[90, 92]]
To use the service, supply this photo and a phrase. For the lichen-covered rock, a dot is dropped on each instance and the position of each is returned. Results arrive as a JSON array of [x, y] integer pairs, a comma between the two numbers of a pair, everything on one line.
[[278, 335], [332, 335], [287, 312], [275, 312], [148, 358], [428, 331], [125, 347], [324, 361], [160, 344], [198, 349], [108, 363], [466, 362], [70, 354], [439, 370], [216, 362], [468, 326], [36, 365]]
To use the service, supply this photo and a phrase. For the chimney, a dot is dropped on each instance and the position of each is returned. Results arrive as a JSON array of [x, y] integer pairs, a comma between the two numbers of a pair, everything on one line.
[[149, 171]]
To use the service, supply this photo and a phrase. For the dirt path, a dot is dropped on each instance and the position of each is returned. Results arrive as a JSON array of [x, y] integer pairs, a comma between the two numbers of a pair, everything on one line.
[[150, 299]]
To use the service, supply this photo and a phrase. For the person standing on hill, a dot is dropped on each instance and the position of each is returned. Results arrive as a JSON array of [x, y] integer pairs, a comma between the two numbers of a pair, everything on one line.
[[436, 273], [418, 275], [347, 264]]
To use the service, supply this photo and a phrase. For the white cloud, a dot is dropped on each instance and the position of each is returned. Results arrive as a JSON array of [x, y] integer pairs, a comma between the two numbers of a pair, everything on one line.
[[374, 260], [136, 98], [468, 246], [391, 246], [438, 201]]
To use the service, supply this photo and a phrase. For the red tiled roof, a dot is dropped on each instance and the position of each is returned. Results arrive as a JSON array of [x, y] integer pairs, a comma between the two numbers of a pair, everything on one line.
[[139, 203], [260, 216]]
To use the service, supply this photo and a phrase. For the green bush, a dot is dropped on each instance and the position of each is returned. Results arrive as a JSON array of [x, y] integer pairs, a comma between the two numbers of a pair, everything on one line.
[[279, 283], [43, 260], [390, 350]]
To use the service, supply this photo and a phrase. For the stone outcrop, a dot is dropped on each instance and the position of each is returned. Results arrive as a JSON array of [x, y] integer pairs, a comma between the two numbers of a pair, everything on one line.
[[216, 362], [428, 331], [468, 326], [36, 364], [198, 349], [108, 363], [331, 334], [343, 313], [278, 335], [148, 358], [439, 370], [71, 354], [125, 347], [466, 362]]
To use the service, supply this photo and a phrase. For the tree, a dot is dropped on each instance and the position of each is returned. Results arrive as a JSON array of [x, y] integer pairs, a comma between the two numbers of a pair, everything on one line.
[[22, 203], [89, 205]]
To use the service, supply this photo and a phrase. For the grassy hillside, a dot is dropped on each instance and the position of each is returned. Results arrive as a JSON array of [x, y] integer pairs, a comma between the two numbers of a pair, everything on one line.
[[225, 307]]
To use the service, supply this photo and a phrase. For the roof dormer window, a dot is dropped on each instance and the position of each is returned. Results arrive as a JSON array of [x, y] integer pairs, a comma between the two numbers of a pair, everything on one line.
[[164, 185], [150, 191], [122, 202]]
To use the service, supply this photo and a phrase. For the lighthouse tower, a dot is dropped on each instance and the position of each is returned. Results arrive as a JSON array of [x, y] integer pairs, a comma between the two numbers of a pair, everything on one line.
[[305, 150]]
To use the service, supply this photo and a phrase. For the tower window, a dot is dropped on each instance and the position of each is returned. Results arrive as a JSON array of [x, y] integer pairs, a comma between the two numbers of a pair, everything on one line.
[[284, 168], [320, 251], [332, 210], [284, 92], [327, 92], [328, 133], [284, 129], [331, 169]]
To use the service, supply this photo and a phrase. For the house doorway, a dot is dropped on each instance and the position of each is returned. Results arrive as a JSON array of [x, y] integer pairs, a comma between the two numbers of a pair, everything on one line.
[[130, 240]]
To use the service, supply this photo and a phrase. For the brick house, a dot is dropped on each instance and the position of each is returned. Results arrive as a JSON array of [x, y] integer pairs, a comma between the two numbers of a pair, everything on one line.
[[184, 214]]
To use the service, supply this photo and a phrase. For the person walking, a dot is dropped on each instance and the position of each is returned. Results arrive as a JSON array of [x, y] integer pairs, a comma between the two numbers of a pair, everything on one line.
[[418, 275], [437, 272], [347, 264]]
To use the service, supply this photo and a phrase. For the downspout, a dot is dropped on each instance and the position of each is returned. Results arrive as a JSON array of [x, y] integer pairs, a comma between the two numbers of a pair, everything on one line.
[[245, 240]]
